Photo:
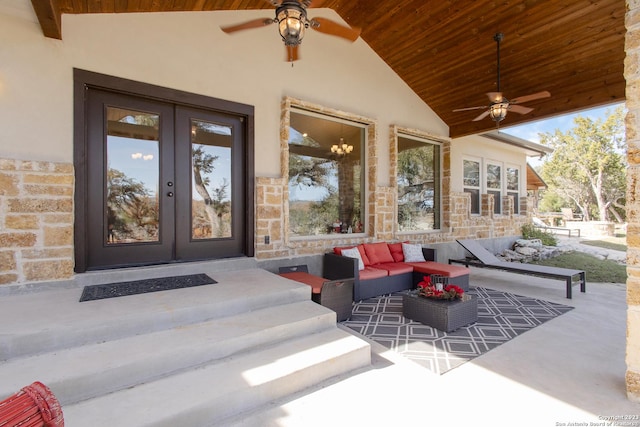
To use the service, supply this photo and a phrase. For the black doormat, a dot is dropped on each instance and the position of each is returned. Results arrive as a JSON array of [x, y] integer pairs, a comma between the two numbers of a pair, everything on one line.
[[121, 289]]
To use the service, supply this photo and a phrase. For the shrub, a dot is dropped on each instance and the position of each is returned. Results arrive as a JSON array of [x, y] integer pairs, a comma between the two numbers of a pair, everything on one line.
[[531, 232]]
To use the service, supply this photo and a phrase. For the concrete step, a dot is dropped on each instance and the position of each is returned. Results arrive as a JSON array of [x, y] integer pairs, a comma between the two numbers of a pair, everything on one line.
[[207, 395], [187, 357], [36, 323], [92, 370]]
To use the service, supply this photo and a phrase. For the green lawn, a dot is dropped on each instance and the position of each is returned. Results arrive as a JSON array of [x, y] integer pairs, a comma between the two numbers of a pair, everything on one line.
[[616, 244], [602, 271]]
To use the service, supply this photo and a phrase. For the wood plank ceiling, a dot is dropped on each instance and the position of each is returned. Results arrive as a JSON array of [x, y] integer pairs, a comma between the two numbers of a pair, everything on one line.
[[444, 49]]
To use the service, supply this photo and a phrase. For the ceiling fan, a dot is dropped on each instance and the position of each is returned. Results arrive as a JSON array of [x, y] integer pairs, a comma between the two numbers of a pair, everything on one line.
[[291, 17], [499, 105]]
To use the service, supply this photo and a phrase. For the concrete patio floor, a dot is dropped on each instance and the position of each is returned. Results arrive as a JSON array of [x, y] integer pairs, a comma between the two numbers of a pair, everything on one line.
[[568, 371]]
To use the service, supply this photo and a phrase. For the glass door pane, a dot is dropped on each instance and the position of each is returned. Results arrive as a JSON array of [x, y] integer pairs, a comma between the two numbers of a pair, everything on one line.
[[210, 185], [211, 180], [130, 181], [133, 173]]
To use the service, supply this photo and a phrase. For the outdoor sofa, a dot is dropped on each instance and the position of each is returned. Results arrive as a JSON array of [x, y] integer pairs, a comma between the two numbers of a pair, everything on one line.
[[481, 257], [385, 270]]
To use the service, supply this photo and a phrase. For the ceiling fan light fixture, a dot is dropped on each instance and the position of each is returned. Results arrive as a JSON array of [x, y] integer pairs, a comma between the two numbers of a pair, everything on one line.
[[292, 21], [498, 111]]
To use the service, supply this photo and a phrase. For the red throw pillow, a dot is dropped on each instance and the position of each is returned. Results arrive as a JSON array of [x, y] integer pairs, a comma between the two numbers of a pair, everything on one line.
[[396, 251], [363, 255], [378, 253], [338, 250]]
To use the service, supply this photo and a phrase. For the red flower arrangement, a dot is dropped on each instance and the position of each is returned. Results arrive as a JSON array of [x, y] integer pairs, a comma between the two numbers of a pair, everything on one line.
[[447, 292]]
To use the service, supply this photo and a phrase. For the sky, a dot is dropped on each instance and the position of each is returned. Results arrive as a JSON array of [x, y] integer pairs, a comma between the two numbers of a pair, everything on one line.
[[139, 159], [531, 130]]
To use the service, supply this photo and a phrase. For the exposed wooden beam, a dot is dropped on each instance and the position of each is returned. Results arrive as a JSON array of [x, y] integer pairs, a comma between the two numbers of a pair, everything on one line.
[[49, 16]]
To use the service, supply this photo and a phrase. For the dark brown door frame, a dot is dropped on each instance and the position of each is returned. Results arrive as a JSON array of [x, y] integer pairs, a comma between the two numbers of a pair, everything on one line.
[[83, 80]]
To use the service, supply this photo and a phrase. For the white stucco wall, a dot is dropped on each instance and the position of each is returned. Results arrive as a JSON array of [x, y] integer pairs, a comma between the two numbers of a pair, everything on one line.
[[485, 149], [189, 52]]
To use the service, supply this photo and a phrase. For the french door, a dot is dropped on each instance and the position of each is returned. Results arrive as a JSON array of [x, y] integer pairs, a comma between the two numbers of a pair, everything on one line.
[[165, 182]]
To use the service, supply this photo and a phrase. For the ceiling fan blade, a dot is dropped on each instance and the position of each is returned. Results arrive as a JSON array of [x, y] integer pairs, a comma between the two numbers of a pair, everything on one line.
[[520, 109], [292, 52], [470, 108], [495, 96], [256, 23], [330, 27], [539, 95], [316, 3], [481, 116]]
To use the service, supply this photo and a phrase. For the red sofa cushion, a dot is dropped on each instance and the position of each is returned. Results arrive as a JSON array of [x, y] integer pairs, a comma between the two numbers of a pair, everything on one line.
[[315, 282], [431, 267], [395, 268], [372, 273], [378, 253], [396, 251], [363, 254]]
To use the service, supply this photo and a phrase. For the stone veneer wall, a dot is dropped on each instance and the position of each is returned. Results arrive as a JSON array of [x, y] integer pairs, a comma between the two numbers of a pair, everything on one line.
[[36, 221], [272, 201], [632, 122]]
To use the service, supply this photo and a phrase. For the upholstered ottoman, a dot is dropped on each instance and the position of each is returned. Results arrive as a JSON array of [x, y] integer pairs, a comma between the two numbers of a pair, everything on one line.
[[457, 275], [336, 295]]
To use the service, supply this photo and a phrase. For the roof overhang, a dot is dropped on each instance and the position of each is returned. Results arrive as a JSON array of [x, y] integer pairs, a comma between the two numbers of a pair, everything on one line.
[[531, 148], [534, 181]]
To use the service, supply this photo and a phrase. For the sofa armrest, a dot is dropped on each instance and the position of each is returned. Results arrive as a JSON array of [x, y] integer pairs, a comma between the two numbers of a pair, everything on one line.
[[339, 267], [429, 254]]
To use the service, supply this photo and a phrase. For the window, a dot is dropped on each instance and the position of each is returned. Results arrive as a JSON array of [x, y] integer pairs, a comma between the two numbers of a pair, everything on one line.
[[513, 187], [494, 185], [418, 179], [471, 183], [326, 182]]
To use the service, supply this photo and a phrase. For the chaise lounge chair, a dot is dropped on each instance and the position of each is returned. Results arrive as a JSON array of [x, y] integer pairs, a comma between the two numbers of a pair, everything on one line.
[[485, 259], [539, 224]]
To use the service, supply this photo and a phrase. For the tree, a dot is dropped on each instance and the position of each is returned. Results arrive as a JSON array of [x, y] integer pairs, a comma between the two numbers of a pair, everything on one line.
[[203, 164], [221, 206], [416, 186], [588, 166], [130, 211]]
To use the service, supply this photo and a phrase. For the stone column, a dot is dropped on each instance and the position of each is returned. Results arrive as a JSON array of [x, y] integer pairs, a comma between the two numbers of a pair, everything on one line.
[[632, 122]]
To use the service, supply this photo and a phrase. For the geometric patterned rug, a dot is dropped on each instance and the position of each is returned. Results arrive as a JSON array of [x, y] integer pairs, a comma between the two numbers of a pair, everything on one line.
[[501, 317]]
